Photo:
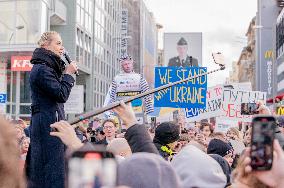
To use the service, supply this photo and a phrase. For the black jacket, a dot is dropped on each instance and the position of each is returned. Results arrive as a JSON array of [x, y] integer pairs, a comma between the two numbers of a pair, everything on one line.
[[49, 90], [103, 141], [189, 62], [139, 140]]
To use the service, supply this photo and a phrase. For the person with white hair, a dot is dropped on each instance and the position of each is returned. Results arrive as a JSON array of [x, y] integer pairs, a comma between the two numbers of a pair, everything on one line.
[[120, 148]]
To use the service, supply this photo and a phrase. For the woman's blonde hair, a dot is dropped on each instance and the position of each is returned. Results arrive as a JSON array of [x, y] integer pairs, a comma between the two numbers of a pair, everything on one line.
[[236, 132], [46, 38], [10, 175]]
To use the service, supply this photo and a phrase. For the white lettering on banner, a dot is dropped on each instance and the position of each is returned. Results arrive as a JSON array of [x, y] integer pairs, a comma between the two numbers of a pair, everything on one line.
[[269, 77], [213, 105], [21, 63]]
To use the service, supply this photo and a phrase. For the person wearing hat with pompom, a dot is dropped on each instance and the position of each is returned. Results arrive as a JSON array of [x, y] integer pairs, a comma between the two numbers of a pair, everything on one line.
[[183, 59]]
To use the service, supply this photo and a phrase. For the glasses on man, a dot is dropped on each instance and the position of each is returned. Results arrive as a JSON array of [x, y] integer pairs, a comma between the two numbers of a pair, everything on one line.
[[108, 127]]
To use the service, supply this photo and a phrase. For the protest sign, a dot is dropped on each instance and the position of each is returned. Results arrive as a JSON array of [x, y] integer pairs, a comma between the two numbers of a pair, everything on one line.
[[214, 96], [128, 85], [222, 125], [188, 94], [232, 100]]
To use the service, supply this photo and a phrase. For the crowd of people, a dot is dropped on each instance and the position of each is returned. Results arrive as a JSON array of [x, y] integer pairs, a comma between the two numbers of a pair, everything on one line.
[[166, 155], [193, 156]]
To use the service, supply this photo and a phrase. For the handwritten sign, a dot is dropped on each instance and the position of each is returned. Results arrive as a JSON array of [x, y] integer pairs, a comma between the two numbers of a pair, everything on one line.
[[214, 97], [188, 94], [232, 100]]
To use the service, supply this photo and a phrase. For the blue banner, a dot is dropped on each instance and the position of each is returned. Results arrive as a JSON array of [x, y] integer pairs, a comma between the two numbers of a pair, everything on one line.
[[190, 94]]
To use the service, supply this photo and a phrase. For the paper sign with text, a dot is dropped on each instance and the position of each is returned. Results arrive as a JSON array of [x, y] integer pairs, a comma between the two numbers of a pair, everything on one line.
[[214, 96], [188, 94], [232, 100], [222, 125]]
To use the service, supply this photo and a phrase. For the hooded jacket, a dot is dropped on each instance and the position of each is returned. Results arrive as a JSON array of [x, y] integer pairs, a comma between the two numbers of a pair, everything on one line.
[[49, 90], [147, 170], [197, 169]]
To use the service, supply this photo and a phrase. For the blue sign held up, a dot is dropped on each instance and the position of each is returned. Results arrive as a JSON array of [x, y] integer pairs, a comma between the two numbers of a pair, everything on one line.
[[190, 94], [3, 98]]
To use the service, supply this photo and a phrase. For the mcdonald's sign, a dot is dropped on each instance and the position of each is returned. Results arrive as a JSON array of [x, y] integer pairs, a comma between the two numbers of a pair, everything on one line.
[[280, 111], [268, 54]]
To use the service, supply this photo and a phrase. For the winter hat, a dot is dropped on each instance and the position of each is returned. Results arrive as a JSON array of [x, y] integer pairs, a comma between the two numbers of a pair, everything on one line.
[[224, 165], [219, 147], [125, 57], [197, 169], [147, 170], [166, 133]]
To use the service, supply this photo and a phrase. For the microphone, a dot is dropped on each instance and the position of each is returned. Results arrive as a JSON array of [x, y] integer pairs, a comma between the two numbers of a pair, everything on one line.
[[190, 60], [68, 59]]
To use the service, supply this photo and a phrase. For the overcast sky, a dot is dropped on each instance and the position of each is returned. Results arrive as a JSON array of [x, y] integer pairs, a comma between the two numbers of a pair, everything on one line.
[[223, 23]]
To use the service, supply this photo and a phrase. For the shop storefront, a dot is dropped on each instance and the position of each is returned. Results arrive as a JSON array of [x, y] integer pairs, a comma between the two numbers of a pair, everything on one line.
[[15, 71]]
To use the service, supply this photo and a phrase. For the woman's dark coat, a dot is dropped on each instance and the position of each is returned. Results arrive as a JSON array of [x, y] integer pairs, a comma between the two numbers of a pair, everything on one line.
[[49, 90]]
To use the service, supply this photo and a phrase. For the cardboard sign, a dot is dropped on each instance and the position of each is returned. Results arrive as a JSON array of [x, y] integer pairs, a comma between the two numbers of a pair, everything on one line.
[[232, 100], [214, 96], [188, 94], [21, 63]]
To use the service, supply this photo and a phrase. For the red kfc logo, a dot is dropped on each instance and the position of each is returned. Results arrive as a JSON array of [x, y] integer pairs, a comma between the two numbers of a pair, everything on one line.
[[21, 63]]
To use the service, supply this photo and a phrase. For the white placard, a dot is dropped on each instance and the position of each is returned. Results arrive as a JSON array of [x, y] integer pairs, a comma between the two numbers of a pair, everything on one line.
[[214, 96], [232, 100], [75, 102], [222, 125]]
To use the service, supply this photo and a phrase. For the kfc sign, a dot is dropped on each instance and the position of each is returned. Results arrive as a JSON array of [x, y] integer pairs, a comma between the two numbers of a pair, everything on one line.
[[21, 63]]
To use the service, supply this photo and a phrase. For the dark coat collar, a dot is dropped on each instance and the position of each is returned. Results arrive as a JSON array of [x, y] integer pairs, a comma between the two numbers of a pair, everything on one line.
[[42, 55]]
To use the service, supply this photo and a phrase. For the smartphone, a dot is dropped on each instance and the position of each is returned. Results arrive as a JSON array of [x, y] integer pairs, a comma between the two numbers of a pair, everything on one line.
[[263, 131], [249, 108], [92, 168]]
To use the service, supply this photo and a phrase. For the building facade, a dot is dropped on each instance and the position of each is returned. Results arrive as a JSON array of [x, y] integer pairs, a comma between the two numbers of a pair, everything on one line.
[[233, 75], [279, 49], [142, 33], [267, 12], [246, 61], [21, 24], [89, 30]]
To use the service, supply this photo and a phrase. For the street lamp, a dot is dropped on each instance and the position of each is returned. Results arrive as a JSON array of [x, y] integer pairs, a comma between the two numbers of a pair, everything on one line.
[[18, 28]]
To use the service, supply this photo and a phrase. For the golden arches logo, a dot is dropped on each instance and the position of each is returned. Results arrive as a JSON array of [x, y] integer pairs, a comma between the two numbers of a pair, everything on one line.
[[268, 54]]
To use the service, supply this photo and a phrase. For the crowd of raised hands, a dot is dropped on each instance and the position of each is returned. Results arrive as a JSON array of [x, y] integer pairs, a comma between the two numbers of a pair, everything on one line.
[[242, 174]]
